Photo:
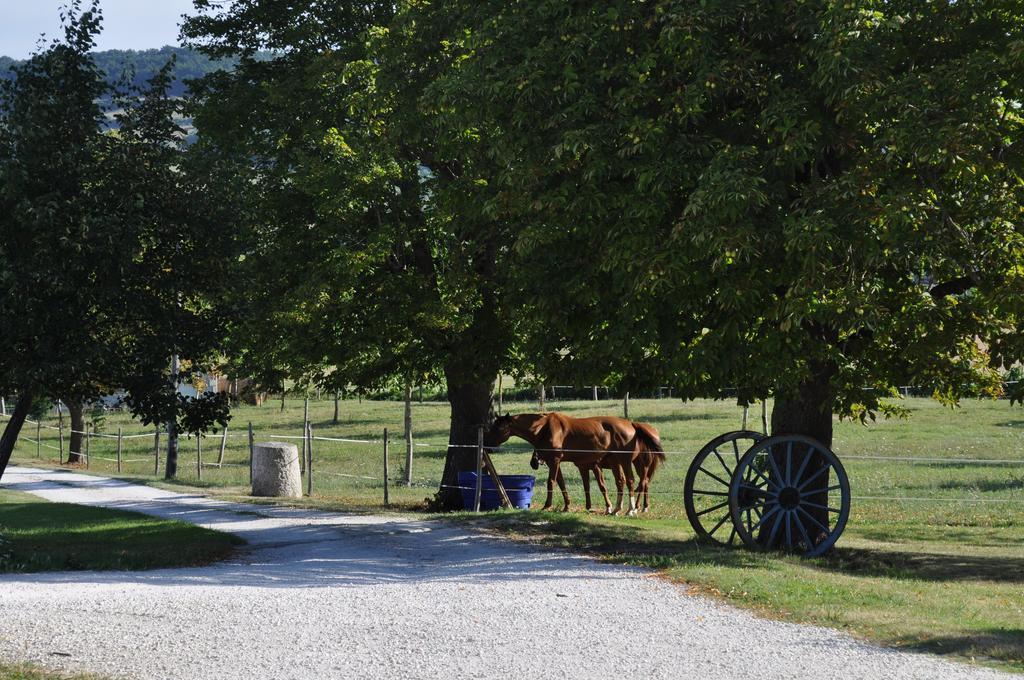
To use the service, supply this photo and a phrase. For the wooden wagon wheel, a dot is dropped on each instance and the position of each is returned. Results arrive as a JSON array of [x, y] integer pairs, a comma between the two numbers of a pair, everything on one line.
[[790, 492], [706, 490]]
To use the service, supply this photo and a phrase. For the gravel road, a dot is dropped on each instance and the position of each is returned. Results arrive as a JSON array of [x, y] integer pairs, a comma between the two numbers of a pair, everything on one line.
[[318, 595]]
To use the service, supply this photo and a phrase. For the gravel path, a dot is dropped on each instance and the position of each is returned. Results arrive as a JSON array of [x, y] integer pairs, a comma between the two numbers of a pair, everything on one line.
[[319, 595]]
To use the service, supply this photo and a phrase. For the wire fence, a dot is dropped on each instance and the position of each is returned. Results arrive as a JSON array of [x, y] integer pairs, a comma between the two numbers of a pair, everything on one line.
[[371, 470]]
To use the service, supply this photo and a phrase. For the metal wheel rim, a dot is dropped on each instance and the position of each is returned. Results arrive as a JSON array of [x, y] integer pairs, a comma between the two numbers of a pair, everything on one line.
[[707, 523], [785, 517]]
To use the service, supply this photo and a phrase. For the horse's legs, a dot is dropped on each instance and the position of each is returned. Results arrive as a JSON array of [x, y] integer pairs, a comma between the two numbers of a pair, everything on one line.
[[620, 481], [561, 485], [629, 489], [644, 483], [585, 474], [552, 473], [604, 489]]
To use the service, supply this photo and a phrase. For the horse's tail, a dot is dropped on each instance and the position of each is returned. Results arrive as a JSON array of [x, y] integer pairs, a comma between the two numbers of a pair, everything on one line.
[[651, 451]]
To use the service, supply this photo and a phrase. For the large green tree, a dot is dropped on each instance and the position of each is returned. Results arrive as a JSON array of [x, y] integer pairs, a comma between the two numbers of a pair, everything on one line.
[[112, 245], [365, 264], [816, 200]]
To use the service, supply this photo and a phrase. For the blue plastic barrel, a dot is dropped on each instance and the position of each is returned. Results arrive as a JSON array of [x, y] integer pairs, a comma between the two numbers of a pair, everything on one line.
[[518, 487]]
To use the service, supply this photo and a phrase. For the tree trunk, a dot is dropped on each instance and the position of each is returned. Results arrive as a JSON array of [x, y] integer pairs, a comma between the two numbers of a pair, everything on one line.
[[472, 407], [13, 429], [808, 412], [171, 467], [77, 413]]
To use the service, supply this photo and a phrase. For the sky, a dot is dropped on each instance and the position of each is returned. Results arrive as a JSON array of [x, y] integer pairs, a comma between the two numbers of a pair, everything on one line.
[[127, 24]]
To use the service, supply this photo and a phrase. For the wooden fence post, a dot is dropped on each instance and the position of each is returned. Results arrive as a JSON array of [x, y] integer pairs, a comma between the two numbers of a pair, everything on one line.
[[625, 406], [39, 441], [764, 416], [745, 409], [501, 393], [199, 455], [119, 436], [88, 458], [595, 393], [336, 398], [251, 446], [156, 451], [60, 432], [309, 459], [408, 434], [223, 446], [387, 500], [305, 426], [540, 397], [479, 468]]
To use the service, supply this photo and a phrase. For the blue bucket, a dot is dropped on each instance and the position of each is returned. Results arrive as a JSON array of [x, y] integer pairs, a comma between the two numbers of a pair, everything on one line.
[[518, 487]]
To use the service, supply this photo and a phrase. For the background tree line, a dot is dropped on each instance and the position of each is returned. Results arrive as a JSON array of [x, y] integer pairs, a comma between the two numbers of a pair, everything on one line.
[[801, 200]]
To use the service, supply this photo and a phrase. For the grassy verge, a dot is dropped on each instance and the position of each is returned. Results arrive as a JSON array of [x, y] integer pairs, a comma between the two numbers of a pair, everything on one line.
[[39, 536], [24, 671]]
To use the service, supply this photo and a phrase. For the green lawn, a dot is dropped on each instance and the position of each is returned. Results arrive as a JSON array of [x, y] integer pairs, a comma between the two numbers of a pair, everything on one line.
[[941, 572], [31, 672], [36, 535]]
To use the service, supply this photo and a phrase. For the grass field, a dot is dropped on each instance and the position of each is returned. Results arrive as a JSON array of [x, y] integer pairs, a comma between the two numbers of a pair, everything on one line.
[[36, 535], [941, 571]]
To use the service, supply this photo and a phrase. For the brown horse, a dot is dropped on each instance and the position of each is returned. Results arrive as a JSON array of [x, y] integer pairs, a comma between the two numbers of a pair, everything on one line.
[[645, 464], [586, 442]]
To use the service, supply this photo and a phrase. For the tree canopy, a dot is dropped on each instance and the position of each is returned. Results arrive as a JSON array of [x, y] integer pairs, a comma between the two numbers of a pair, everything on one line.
[[112, 245], [760, 195]]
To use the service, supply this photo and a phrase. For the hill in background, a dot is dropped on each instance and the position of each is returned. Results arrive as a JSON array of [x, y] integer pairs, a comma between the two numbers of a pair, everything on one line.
[[114, 63]]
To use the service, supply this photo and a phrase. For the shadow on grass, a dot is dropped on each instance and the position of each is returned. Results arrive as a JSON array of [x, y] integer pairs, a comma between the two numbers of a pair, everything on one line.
[[1005, 645], [626, 542], [1005, 484], [618, 542], [1011, 423], [924, 565]]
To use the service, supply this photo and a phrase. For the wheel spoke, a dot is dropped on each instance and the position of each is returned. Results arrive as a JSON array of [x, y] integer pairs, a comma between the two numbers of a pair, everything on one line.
[[789, 529], [736, 450], [819, 506], [803, 466], [813, 477], [732, 535], [710, 493], [775, 466], [715, 477], [755, 491], [712, 508], [803, 530], [775, 530], [813, 519], [717, 526], [721, 460], [762, 518], [757, 473]]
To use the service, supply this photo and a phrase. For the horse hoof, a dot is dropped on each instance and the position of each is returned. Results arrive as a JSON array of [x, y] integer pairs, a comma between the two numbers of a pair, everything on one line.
[[613, 512], [546, 508], [631, 513]]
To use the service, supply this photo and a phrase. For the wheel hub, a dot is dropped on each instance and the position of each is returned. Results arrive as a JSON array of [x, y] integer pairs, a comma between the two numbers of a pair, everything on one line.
[[789, 497]]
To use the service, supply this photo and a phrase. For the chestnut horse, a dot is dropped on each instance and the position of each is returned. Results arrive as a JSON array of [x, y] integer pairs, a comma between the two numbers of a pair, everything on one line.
[[586, 442], [646, 464]]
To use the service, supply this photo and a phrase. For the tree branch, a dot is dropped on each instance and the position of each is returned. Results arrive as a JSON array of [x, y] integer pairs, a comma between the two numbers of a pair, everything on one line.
[[952, 287]]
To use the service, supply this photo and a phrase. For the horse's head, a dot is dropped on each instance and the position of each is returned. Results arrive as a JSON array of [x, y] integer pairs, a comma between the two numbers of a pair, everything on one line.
[[499, 431]]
